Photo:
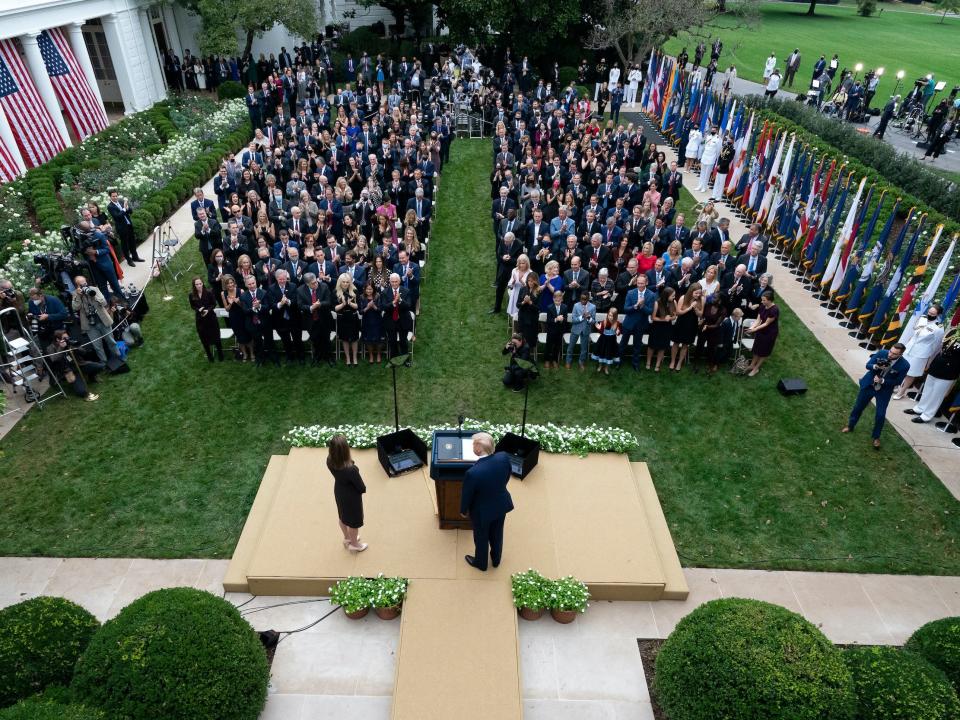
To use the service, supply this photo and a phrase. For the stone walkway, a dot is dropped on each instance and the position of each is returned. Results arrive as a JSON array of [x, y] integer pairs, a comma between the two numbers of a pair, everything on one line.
[[590, 669], [933, 447]]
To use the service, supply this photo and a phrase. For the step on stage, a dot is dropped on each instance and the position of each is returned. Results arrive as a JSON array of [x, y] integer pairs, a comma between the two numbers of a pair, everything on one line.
[[597, 518]]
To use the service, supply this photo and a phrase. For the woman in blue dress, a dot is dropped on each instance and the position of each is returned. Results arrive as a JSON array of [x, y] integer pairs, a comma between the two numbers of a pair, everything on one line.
[[371, 323], [555, 279]]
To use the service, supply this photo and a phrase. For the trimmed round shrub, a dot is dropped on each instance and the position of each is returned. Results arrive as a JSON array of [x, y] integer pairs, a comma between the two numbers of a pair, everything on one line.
[[142, 214], [175, 654], [40, 641], [939, 643], [140, 228], [751, 660], [891, 684], [230, 89]]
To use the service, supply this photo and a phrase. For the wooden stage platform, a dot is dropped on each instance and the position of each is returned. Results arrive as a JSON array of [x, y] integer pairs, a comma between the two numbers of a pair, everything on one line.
[[597, 518]]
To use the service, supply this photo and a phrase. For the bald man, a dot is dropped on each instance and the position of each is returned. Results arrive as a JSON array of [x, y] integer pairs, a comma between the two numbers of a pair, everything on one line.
[[486, 501]]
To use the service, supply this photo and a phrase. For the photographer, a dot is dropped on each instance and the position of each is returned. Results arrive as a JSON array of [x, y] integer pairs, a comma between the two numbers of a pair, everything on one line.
[[95, 320], [69, 369], [45, 315], [94, 245], [515, 377], [885, 370]]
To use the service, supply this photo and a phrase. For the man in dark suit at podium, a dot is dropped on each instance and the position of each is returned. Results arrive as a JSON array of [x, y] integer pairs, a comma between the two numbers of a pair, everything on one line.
[[486, 501]]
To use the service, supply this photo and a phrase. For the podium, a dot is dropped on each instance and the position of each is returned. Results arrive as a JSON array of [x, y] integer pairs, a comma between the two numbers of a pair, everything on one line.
[[450, 458]]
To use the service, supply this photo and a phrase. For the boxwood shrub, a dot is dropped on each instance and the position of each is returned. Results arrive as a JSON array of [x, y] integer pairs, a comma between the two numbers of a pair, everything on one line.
[[40, 641], [175, 654], [939, 643], [41, 708], [891, 684], [751, 660], [230, 89]]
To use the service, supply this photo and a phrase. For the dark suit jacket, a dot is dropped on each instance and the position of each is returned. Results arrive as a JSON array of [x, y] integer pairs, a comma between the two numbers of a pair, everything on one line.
[[304, 301], [505, 266], [426, 208], [554, 327], [672, 233], [195, 205], [761, 264], [484, 495], [652, 279], [894, 376], [291, 311], [359, 275], [638, 316], [386, 305], [209, 239]]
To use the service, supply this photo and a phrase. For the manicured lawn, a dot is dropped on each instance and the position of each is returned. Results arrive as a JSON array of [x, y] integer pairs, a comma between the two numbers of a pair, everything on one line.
[[167, 463], [901, 38]]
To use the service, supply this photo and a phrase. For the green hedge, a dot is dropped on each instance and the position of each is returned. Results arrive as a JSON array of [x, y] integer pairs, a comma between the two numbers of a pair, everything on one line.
[[891, 684], [230, 89], [896, 168], [41, 708], [939, 643], [40, 641], [176, 654], [751, 660]]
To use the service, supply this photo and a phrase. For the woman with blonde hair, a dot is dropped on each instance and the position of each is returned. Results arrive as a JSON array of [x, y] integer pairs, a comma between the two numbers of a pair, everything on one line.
[[673, 255], [412, 244], [518, 281], [348, 322], [348, 490]]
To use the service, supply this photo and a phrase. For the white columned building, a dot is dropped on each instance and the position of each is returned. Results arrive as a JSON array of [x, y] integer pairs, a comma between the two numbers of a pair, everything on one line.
[[79, 47]]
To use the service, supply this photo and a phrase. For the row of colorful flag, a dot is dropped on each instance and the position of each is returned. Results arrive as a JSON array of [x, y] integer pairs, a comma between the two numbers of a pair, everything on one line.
[[33, 137], [804, 201]]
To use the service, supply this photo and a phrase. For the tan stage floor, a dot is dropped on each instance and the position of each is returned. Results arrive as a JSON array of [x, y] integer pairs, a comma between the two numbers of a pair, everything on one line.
[[596, 518]]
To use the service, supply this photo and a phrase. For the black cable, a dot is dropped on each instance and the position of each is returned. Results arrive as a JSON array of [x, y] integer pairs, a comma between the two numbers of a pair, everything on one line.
[[288, 633], [245, 602], [283, 604]]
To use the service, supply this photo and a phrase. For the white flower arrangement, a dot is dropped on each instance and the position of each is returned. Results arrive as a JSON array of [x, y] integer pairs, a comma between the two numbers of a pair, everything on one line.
[[561, 439]]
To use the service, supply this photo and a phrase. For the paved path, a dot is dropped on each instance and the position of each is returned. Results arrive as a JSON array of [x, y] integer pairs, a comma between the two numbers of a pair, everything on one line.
[[949, 161], [590, 669], [933, 447]]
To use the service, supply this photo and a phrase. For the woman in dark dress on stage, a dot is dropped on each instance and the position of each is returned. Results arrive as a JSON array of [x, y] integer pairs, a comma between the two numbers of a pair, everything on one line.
[[203, 303], [765, 330], [348, 490]]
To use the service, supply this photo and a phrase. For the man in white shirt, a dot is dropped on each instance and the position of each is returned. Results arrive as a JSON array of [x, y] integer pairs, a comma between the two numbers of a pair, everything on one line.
[[773, 83], [614, 77], [633, 83], [769, 67]]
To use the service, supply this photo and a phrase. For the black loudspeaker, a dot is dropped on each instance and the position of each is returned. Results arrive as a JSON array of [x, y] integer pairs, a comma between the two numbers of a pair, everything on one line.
[[791, 386]]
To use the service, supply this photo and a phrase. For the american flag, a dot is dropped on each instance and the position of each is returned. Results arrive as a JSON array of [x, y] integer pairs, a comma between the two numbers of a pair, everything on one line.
[[9, 168], [31, 123], [79, 102]]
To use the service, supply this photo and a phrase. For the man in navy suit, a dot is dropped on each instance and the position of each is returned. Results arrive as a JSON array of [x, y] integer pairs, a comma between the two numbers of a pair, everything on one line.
[[422, 207], [486, 501], [356, 272], [637, 308], [200, 201], [886, 369]]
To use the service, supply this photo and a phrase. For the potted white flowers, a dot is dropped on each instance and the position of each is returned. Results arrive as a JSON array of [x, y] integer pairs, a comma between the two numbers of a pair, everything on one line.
[[387, 594], [530, 592], [568, 596], [353, 595]]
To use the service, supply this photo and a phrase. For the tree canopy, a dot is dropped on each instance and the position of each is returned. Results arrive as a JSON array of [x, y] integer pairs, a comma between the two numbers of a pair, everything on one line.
[[222, 21]]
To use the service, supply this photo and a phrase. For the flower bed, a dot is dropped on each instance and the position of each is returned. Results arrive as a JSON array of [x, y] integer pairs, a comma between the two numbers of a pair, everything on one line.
[[155, 159], [562, 439]]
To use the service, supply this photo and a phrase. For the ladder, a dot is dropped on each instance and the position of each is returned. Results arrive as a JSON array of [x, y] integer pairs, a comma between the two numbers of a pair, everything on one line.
[[21, 369]]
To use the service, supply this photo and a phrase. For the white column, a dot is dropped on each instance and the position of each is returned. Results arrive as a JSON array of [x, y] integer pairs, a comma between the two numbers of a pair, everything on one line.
[[170, 25], [134, 79], [153, 54], [10, 143], [38, 71], [83, 57]]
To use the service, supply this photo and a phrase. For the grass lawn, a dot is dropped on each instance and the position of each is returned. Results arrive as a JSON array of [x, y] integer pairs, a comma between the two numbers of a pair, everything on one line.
[[167, 463], [903, 37]]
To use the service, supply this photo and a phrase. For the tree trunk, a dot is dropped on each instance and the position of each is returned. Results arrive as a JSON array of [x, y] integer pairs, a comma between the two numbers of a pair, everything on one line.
[[249, 44], [620, 53], [813, 6], [943, 17]]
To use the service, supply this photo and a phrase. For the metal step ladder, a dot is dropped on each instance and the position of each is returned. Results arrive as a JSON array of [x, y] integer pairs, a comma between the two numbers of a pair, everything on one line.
[[21, 369], [164, 239]]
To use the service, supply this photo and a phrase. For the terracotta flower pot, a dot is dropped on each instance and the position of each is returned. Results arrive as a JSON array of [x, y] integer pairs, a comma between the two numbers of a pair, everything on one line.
[[362, 612], [530, 613], [564, 616], [387, 613]]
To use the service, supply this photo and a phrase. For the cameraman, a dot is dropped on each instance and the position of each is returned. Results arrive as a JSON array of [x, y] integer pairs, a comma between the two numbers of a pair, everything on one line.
[[92, 308], [885, 370], [515, 377], [97, 249], [68, 369], [45, 314]]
